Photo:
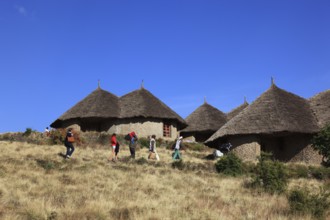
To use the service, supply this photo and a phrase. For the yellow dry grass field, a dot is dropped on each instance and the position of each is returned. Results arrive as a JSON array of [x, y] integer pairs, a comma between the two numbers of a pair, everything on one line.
[[37, 183]]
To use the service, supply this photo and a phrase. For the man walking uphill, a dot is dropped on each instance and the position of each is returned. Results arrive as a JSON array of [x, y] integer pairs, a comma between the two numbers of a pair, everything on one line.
[[69, 140]]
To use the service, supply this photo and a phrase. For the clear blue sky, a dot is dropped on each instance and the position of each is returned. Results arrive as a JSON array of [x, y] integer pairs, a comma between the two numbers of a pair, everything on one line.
[[53, 52]]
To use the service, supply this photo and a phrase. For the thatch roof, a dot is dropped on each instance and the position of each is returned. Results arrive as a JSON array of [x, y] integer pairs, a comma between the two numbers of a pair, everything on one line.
[[275, 112], [98, 104], [237, 110], [141, 103], [205, 118], [320, 104]]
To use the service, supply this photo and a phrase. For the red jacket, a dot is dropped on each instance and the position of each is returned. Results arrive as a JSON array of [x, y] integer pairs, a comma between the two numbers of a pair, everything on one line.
[[113, 140]]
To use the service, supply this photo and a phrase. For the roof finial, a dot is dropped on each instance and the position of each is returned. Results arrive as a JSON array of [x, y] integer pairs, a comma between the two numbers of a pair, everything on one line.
[[205, 102], [98, 84], [272, 81], [142, 85]]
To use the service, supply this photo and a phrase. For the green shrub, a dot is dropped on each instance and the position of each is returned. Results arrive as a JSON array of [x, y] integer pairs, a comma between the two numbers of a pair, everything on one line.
[[57, 136], [47, 165], [270, 175], [229, 165], [298, 171], [301, 202], [143, 142], [195, 146], [141, 161], [321, 143], [28, 132], [320, 173], [178, 164]]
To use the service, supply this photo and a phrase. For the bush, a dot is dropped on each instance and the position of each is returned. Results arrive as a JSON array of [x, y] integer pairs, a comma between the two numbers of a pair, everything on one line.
[[141, 161], [144, 142], [58, 136], [321, 143], [28, 132], [270, 175], [320, 173], [301, 201], [178, 164], [298, 171], [229, 165], [195, 146]]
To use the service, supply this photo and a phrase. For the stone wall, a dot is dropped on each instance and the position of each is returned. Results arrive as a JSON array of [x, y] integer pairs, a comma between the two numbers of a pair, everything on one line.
[[245, 147], [293, 148], [304, 151], [143, 128]]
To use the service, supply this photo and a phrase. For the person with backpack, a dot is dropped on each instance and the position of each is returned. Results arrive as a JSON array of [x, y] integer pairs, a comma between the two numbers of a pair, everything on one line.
[[68, 143], [132, 143], [177, 147]]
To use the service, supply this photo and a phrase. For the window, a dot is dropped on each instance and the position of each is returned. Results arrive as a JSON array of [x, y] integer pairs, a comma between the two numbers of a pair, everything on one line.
[[166, 130]]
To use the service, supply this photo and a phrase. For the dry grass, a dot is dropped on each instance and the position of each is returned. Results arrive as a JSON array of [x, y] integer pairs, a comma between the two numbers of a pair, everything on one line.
[[37, 183]]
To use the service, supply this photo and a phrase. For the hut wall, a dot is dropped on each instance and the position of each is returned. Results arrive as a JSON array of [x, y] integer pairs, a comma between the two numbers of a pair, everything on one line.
[[143, 128], [71, 124], [293, 148], [245, 147], [302, 150]]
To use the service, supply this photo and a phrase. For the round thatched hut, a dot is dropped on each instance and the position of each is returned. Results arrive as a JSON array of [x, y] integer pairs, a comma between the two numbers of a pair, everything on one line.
[[96, 112], [320, 104], [203, 122], [237, 110], [138, 111], [278, 121], [142, 112]]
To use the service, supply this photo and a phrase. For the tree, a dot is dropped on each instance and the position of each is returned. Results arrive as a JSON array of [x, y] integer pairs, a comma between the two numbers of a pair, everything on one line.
[[321, 143]]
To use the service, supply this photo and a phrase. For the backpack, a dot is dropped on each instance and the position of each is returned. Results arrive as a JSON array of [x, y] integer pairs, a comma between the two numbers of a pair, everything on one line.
[[127, 137]]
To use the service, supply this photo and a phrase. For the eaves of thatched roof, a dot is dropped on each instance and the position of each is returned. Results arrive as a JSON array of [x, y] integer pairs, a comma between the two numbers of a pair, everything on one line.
[[98, 104], [205, 118], [141, 103], [237, 110], [276, 111], [320, 104]]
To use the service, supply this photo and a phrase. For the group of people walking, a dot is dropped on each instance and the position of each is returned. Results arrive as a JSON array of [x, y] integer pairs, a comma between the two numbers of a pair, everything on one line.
[[115, 146]]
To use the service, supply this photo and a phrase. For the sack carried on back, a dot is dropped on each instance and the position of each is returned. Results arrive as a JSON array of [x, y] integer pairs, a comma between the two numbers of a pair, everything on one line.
[[71, 139]]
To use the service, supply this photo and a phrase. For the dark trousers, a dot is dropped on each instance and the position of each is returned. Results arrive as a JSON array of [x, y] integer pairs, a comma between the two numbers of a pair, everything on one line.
[[132, 150], [69, 148]]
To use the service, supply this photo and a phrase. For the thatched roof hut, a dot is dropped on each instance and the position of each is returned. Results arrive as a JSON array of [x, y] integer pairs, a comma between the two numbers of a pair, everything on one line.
[[142, 104], [275, 111], [320, 104], [203, 122], [138, 110], [97, 106], [278, 121], [237, 110]]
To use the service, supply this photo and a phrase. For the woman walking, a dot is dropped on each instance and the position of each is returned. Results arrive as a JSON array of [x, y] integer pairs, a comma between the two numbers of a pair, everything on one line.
[[152, 148], [178, 146], [113, 143]]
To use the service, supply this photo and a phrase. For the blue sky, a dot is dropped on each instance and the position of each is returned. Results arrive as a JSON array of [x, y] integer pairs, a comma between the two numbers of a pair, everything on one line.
[[53, 52]]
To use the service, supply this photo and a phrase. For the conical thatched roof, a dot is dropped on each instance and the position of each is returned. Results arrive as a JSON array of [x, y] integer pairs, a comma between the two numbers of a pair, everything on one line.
[[98, 104], [237, 110], [205, 118], [141, 103], [275, 112], [321, 106]]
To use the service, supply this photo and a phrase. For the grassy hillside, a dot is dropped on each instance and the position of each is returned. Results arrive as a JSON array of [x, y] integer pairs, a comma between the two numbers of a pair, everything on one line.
[[37, 183]]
